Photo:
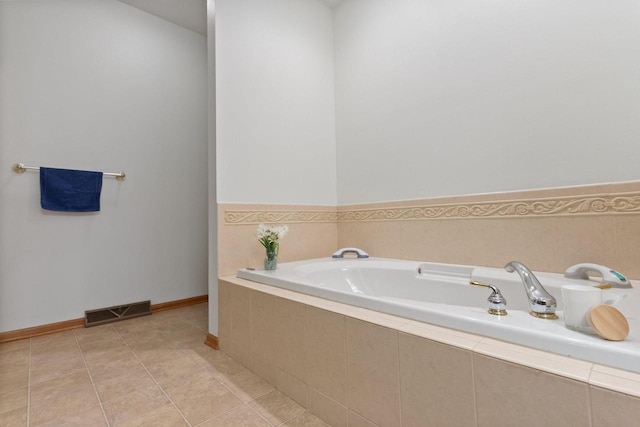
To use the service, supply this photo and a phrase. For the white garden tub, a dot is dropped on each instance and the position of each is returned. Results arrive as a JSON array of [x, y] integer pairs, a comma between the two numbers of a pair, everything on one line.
[[441, 294]]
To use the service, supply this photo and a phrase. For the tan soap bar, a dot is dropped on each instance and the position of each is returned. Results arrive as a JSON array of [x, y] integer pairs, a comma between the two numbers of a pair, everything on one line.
[[609, 323]]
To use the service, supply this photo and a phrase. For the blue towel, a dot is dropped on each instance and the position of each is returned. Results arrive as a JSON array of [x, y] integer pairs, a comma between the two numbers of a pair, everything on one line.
[[70, 190]]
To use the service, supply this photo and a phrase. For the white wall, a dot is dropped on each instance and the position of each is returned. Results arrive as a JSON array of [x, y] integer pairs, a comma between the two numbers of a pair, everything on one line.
[[456, 97], [275, 102], [99, 85], [212, 168]]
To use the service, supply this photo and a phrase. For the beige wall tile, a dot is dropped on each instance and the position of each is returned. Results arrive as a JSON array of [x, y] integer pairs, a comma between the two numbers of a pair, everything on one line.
[[224, 309], [625, 187], [614, 409], [373, 388], [627, 236], [522, 391], [436, 383], [326, 353], [238, 353], [240, 321], [292, 386], [290, 350], [238, 246], [379, 239], [537, 359], [440, 334], [265, 368], [264, 330], [327, 409], [435, 241], [585, 239]]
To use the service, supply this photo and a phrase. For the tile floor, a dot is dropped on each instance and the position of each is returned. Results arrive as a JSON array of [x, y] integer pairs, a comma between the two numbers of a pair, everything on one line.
[[149, 371]]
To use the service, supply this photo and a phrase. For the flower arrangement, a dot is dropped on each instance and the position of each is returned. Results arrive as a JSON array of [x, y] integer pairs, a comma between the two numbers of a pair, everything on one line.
[[269, 238]]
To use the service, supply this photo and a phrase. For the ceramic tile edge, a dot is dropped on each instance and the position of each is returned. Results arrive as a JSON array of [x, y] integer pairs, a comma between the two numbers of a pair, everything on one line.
[[615, 379], [440, 334], [552, 363]]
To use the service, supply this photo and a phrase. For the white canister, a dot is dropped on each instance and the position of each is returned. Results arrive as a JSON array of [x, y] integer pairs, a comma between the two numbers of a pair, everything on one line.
[[578, 300]]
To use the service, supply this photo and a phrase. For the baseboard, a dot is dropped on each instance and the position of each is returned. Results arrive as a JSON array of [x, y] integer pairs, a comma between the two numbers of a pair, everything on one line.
[[212, 341], [170, 305], [52, 328], [36, 331]]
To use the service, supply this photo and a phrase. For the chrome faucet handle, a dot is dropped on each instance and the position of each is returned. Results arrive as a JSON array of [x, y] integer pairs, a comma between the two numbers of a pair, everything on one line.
[[340, 253], [541, 302], [497, 302]]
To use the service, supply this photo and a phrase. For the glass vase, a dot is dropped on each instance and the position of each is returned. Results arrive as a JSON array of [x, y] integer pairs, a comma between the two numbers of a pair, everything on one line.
[[271, 260]]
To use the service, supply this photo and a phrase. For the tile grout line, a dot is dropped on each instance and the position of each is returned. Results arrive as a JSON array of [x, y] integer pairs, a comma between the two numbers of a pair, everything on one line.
[[397, 335], [93, 384], [217, 379], [29, 385], [473, 384], [153, 378]]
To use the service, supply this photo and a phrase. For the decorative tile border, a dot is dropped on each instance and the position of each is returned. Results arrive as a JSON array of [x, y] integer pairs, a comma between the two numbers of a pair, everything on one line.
[[621, 203], [242, 217], [557, 206]]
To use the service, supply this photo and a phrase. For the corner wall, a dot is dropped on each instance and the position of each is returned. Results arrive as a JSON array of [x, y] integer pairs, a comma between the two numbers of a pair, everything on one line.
[[99, 85]]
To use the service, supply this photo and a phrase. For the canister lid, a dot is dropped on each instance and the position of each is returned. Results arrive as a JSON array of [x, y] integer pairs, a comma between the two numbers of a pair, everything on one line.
[[608, 322]]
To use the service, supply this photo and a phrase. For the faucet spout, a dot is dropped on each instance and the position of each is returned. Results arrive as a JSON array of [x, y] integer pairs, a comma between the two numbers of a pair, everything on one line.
[[541, 302]]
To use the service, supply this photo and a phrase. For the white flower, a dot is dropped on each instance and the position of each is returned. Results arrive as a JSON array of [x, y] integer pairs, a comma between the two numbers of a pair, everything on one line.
[[269, 236]]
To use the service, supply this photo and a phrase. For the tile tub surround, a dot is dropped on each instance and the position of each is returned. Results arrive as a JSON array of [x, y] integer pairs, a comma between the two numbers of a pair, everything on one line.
[[352, 366], [239, 248], [547, 229], [149, 371]]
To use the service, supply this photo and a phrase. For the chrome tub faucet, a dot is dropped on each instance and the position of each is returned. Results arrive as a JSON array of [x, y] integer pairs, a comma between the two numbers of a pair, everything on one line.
[[541, 302]]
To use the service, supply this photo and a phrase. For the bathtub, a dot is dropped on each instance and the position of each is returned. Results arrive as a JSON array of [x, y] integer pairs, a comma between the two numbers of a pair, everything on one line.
[[441, 294]]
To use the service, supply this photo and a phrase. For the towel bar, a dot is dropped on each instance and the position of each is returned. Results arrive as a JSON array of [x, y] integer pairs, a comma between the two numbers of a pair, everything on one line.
[[21, 168]]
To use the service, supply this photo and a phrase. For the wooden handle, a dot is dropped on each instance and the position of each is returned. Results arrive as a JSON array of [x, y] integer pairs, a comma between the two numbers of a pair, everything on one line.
[[609, 323]]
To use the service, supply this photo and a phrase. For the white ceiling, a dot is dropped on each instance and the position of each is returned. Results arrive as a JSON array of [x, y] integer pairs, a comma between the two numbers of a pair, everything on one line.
[[191, 14]]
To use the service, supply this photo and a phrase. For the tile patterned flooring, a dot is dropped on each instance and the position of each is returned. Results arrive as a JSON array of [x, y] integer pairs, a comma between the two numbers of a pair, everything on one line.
[[149, 371]]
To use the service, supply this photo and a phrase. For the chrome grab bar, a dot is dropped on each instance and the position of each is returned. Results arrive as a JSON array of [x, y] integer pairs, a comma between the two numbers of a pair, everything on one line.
[[340, 253]]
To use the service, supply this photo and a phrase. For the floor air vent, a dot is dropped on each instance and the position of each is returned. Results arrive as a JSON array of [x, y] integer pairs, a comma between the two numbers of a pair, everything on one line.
[[115, 313]]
